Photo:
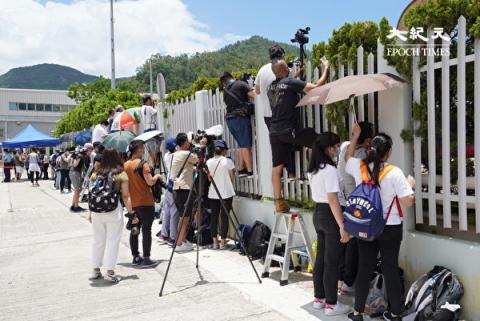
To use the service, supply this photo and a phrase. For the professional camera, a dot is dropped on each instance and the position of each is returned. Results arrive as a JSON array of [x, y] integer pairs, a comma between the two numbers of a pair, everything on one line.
[[82, 153], [247, 77], [211, 134], [301, 36], [296, 62]]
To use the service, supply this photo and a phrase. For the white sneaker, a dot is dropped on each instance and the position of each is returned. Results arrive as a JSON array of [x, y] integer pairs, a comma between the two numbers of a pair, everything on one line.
[[318, 304], [346, 290], [337, 309], [185, 247]]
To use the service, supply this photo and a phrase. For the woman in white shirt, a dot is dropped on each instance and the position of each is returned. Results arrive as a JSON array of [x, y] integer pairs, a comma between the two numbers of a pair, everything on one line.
[[222, 171], [34, 167], [328, 223], [393, 186]]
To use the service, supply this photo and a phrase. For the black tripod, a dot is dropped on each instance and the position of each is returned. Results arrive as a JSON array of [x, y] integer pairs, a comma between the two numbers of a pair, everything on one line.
[[201, 173]]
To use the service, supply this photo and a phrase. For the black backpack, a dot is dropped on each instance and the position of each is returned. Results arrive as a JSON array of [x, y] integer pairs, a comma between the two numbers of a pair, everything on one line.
[[257, 242], [157, 187], [432, 290], [103, 196]]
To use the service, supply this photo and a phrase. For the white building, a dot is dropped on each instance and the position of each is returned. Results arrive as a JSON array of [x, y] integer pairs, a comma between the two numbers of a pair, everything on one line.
[[41, 108]]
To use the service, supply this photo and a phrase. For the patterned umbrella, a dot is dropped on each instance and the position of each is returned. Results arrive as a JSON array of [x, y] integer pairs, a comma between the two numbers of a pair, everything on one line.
[[118, 140], [127, 118]]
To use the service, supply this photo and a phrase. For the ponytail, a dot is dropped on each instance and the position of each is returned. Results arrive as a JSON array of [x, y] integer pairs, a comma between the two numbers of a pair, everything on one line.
[[320, 157], [379, 148]]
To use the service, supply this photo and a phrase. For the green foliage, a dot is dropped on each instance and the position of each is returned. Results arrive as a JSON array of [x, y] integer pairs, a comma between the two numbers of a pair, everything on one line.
[[181, 71], [202, 83], [43, 76], [84, 92], [95, 100]]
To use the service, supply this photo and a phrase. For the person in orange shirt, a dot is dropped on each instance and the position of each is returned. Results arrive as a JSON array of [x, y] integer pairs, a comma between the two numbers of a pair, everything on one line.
[[140, 181]]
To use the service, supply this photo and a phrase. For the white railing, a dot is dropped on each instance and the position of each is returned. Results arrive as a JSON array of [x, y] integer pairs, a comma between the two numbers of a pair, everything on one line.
[[446, 196], [208, 108]]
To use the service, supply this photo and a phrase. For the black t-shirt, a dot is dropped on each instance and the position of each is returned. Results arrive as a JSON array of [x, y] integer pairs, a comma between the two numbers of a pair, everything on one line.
[[284, 95], [234, 107]]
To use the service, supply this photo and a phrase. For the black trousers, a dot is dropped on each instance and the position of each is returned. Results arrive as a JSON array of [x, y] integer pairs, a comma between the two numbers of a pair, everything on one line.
[[218, 212], [349, 262], [7, 171], [389, 246], [45, 171], [329, 252], [146, 214], [31, 176], [65, 178]]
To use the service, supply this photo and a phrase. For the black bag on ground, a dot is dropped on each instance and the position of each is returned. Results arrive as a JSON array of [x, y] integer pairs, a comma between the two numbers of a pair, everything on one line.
[[432, 290], [257, 241], [244, 230]]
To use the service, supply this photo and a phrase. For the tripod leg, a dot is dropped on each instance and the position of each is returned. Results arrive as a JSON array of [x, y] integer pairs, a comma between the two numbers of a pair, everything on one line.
[[187, 204], [237, 232]]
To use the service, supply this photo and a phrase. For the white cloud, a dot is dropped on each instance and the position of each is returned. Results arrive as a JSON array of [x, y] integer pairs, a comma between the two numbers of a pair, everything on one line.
[[78, 34]]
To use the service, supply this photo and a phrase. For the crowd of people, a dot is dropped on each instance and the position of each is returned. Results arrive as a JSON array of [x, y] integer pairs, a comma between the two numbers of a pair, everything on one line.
[[117, 181]]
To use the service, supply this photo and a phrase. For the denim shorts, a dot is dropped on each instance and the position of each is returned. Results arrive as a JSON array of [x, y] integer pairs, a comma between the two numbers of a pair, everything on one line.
[[241, 130]]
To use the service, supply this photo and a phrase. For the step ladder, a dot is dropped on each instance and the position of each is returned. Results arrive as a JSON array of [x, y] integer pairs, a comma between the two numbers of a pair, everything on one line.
[[289, 221]]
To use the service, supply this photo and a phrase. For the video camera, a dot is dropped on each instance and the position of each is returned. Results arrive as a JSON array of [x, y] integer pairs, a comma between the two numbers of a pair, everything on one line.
[[301, 36]]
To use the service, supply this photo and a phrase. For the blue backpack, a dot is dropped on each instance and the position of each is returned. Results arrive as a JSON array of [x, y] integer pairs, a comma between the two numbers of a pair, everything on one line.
[[363, 215]]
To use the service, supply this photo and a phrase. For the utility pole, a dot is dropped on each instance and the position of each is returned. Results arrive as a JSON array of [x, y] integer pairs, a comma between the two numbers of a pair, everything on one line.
[[112, 42], [151, 77]]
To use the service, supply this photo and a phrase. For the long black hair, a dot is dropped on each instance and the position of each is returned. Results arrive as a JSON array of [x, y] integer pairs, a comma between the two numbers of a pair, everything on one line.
[[111, 162], [320, 157], [379, 147]]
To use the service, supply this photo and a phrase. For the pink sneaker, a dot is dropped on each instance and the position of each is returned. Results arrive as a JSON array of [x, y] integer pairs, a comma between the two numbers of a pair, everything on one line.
[[318, 303]]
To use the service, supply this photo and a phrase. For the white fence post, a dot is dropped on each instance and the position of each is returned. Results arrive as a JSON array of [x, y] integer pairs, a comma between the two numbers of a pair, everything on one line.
[[417, 145], [201, 108], [432, 168], [461, 127], [361, 110], [264, 151], [447, 217], [371, 97]]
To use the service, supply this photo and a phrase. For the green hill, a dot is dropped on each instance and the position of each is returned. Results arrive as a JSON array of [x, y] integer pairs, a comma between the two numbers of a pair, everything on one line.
[[181, 71], [43, 76]]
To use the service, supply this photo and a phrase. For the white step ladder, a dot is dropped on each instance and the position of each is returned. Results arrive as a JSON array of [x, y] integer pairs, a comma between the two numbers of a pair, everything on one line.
[[289, 221]]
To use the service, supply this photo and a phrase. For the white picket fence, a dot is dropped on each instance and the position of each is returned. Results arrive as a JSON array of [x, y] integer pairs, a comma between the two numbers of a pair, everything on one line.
[[438, 188], [191, 114]]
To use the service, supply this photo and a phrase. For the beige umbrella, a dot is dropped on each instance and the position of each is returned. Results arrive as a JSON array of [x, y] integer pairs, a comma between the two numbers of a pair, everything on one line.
[[349, 87]]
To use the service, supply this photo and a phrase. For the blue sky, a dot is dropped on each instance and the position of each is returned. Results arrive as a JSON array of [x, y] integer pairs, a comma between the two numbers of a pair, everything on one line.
[[278, 20], [145, 27]]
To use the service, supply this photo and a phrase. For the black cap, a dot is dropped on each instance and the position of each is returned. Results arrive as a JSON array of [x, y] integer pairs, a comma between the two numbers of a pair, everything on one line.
[[226, 74], [221, 144]]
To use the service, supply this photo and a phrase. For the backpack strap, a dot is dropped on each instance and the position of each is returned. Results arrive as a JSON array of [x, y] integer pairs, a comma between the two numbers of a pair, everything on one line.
[[385, 171]]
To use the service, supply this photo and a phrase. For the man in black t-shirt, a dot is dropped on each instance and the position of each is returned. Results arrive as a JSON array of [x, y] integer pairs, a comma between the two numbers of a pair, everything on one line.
[[284, 95], [236, 96]]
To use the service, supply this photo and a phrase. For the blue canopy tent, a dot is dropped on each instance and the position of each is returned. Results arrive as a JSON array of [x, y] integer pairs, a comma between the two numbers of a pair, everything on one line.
[[30, 137]]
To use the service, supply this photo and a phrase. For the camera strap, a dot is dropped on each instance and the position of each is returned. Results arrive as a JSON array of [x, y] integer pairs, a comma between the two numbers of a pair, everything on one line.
[[216, 167]]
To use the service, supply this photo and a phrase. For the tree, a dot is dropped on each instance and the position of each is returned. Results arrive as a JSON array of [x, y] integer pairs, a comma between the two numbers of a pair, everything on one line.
[[95, 100]]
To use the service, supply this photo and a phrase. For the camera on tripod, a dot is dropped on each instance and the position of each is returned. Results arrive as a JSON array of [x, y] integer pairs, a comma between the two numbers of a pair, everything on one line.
[[211, 134], [301, 36]]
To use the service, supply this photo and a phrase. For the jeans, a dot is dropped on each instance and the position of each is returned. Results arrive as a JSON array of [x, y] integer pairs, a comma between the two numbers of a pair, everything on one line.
[[388, 243], [64, 176], [217, 211], [58, 177], [146, 214], [107, 233], [329, 248], [170, 217]]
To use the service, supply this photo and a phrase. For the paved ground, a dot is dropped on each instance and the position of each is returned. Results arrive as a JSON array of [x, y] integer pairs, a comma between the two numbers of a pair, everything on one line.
[[45, 266]]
